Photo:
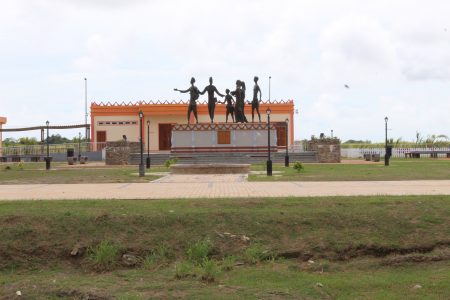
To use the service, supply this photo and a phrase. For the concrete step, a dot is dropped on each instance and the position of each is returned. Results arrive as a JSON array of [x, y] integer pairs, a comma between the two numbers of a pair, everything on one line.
[[225, 157]]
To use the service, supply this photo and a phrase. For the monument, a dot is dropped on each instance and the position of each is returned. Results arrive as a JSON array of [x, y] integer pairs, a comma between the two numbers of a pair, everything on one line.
[[211, 89], [194, 94], [255, 102]]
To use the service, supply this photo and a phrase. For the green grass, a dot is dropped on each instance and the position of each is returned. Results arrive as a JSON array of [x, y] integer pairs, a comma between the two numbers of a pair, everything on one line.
[[34, 173], [353, 242], [399, 169], [104, 255], [198, 252]]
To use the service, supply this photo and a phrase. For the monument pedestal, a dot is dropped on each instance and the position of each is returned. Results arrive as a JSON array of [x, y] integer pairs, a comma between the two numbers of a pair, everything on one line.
[[223, 137]]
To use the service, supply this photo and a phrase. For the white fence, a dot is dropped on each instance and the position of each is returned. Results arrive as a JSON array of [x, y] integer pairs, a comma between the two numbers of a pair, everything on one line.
[[396, 152]]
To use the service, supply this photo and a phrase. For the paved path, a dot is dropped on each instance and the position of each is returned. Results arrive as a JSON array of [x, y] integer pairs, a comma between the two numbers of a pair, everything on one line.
[[219, 186]]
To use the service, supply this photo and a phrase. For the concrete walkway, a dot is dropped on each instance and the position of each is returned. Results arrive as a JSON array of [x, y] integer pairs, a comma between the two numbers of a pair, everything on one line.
[[219, 186]]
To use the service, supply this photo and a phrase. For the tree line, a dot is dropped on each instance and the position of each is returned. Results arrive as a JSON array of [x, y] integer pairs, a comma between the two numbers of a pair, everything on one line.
[[52, 139]]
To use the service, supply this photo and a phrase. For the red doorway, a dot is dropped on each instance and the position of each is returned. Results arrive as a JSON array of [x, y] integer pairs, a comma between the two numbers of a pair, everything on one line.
[[101, 140], [165, 136]]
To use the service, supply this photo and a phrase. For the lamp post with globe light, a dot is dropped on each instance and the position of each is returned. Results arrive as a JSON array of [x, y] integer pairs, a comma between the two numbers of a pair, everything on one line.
[[269, 161]]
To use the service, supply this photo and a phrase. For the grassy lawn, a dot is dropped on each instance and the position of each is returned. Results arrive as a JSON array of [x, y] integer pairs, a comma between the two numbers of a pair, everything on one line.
[[330, 247], [399, 169], [30, 173]]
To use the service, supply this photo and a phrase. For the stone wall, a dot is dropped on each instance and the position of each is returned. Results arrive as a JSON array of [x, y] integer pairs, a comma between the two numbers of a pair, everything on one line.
[[328, 149], [118, 153]]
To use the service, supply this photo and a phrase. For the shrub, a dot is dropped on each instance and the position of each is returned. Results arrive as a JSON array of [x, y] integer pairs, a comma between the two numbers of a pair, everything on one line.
[[210, 270], [184, 269], [8, 168], [170, 162], [298, 166], [228, 263], [198, 251], [104, 255], [20, 165]]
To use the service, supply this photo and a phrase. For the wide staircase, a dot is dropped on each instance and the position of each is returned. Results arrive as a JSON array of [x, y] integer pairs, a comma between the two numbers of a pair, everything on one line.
[[226, 157]]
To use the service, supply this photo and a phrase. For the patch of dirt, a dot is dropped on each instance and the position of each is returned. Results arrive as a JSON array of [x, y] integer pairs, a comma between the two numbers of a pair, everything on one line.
[[76, 294], [382, 251], [439, 254], [353, 252]]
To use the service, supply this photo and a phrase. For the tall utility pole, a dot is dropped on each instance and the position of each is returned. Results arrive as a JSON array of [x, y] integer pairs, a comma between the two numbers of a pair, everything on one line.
[[86, 109], [270, 77]]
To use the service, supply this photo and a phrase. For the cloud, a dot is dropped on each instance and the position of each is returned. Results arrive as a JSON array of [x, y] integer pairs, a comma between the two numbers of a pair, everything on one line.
[[356, 49], [130, 50]]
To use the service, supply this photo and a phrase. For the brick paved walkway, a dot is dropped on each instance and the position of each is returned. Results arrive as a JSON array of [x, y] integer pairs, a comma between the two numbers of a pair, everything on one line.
[[219, 186]]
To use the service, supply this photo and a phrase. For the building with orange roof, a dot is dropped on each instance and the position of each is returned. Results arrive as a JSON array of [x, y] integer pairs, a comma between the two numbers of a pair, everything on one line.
[[112, 122]]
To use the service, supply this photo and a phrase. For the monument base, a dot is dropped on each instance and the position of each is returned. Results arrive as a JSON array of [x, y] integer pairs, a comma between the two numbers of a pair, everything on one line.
[[223, 137], [210, 169]]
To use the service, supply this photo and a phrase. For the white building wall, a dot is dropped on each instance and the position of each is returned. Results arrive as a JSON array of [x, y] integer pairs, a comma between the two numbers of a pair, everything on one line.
[[114, 132]]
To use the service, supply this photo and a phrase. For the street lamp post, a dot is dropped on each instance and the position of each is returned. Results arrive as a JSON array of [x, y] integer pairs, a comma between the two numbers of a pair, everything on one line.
[[286, 157], [79, 146], [269, 161], [386, 155], [148, 144], [141, 164], [47, 159]]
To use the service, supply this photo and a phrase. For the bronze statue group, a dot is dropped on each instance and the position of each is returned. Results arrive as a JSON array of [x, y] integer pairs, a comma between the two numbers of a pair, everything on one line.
[[234, 108]]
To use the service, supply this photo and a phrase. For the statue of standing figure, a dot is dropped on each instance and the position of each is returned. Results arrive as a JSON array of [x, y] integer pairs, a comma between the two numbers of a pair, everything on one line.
[[211, 89], [255, 102], [229, 105], [194, 93], [239, 93]]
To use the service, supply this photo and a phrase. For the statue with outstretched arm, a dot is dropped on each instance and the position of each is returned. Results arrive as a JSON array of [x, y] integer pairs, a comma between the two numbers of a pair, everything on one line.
[[211, 89], [255, 102], [194, 93]]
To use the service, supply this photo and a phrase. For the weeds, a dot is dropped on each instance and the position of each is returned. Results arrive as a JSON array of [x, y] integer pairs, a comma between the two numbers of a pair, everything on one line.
[[104, 255], [198, 251], [228, 263], [210, 270], [184, 269], [255, 253], [160, 255]]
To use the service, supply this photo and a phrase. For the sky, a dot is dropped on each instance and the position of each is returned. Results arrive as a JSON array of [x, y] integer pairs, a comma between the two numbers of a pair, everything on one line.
[[394, 56]]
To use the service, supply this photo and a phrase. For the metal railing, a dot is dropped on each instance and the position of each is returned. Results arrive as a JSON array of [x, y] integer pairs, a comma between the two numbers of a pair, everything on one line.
[[396, 152], [39, 150]]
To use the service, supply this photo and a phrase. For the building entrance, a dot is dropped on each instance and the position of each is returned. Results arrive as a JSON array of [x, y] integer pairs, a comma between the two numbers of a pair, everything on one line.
[[165, 135]]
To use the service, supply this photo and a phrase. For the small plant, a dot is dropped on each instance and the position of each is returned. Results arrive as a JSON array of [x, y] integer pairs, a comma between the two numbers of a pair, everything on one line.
[[255, 253], [162, 251], [198, 251], [159, 255], [128, 297], [228, 263], [210, 270], [298, 166], [184, 269], [8, 168], [20, 165], [104, 255], [149, 261], [170, 162]]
